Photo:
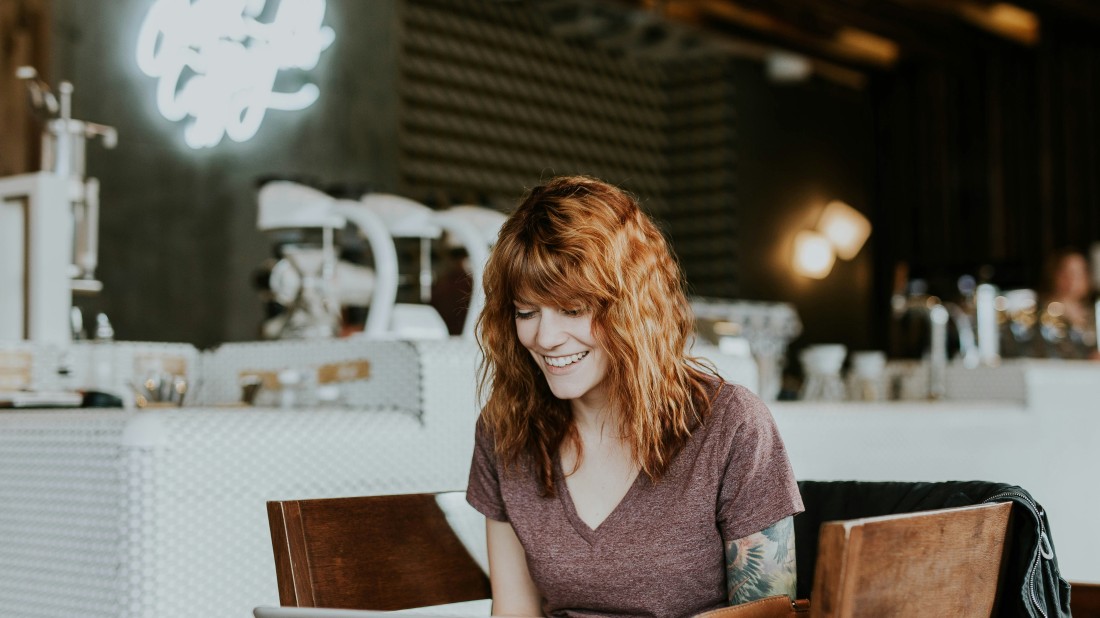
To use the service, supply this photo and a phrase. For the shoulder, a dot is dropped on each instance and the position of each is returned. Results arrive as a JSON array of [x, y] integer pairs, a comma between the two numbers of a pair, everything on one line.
[[734, 405], [487, 449], [739, 420], [484, 440], [482, 432]]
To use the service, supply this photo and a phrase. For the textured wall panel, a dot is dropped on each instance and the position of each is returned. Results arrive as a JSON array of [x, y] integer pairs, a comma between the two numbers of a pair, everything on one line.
[[494, 98]]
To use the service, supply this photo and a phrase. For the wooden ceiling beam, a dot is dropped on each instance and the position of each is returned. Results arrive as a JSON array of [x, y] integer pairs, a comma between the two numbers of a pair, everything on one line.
[[1004, 20], [833, 30], [1082, 12], [937, 30], [729, 17], [688, 13], [837, 32], [919, 30]]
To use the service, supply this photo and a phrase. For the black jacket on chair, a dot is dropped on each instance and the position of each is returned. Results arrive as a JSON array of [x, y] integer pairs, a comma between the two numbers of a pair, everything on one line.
[[1033, 589]]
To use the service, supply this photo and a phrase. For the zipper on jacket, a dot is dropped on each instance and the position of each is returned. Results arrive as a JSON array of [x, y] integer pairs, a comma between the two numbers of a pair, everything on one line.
[[1045, 549]]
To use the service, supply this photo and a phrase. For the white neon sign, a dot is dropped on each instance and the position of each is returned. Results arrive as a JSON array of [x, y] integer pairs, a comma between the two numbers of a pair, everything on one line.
[[217, 63]]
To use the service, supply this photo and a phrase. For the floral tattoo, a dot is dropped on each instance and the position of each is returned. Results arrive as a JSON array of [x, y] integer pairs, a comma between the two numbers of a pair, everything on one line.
[[762, 564]]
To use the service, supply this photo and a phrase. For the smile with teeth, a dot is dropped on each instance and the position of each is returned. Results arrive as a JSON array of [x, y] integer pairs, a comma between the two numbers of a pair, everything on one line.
[[564, 361]]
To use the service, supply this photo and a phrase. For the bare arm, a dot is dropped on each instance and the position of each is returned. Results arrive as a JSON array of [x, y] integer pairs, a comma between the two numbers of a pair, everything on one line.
[[514, 594], [762, 564]]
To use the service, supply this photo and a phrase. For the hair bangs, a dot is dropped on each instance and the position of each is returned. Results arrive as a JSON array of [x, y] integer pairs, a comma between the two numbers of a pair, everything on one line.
[[542, 276]]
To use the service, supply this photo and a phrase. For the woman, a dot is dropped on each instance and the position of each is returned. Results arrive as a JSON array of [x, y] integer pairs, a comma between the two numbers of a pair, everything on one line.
[[617, 475], [1067, 323]]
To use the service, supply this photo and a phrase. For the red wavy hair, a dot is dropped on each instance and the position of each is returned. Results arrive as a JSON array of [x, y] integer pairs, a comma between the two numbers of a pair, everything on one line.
[[580, 243]]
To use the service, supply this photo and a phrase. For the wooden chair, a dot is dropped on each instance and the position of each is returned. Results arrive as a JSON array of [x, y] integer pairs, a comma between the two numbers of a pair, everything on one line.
[[398, 552], [1085, 600], [946, 562], [375, 552]]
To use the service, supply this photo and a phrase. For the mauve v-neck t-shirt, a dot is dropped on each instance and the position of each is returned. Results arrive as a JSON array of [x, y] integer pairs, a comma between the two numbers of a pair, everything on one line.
[[660, 552]]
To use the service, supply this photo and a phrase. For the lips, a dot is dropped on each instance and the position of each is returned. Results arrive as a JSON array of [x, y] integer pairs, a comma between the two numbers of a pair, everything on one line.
[[564, 361]]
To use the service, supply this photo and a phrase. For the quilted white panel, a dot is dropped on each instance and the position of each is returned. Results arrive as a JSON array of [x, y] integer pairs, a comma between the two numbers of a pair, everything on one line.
[[162, 513], [61, 516]]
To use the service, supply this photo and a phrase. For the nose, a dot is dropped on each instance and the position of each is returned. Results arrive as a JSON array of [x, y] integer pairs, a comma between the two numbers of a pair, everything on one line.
[[551, 329]]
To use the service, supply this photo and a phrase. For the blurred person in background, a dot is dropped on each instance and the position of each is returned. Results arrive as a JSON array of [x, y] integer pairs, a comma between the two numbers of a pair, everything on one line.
[[1067, 318]]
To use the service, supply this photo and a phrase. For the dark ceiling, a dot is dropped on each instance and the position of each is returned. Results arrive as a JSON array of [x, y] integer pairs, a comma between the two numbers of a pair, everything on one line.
[[846, 40], [922, 29]]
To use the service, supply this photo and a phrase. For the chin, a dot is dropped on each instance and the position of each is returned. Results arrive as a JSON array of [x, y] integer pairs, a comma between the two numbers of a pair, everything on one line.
[[567, 391]]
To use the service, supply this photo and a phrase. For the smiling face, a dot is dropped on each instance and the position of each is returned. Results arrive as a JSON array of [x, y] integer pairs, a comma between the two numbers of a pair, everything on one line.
[[564, 348]]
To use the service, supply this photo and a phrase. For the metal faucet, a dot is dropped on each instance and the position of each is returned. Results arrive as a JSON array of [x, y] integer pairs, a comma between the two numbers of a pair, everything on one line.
[[968, 341], [939, 314]]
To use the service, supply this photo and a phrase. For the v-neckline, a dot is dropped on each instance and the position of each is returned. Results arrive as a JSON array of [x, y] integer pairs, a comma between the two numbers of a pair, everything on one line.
[[588, 533]]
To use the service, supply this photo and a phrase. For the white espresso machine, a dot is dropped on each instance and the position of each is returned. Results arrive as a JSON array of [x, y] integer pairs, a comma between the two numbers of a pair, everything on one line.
[[312, 284], [49, 223]]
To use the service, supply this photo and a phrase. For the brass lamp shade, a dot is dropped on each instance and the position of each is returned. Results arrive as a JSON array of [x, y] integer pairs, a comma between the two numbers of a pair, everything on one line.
[[845, 227], [813, 255]]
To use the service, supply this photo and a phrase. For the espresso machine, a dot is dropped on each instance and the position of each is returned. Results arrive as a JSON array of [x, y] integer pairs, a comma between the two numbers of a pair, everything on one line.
[[310, 284], [49, 223], [305, 279], [384, 218]]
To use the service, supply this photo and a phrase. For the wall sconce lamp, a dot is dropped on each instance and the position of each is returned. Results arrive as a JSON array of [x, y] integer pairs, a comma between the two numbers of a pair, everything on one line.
[[845, 227], [841, 232], [813, 255]]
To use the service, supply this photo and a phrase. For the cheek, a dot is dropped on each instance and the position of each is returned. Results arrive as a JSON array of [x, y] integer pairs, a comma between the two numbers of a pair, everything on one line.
[[586, 332], [602, 368], [525, 332]]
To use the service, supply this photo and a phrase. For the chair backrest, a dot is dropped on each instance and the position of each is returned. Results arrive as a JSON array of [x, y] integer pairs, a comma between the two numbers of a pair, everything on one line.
[[373, 552], [945, 562]]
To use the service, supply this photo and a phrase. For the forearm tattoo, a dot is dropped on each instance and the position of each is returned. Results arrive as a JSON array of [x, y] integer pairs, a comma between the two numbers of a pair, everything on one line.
[[762, 564]]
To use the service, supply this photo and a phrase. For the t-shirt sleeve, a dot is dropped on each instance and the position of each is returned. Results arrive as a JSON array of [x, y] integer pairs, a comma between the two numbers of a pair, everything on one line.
[[758, 486], [483, 490]]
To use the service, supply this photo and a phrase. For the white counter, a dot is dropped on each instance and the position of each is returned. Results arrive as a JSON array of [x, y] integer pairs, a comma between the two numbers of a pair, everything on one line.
[[161, 513], [1049, 444]]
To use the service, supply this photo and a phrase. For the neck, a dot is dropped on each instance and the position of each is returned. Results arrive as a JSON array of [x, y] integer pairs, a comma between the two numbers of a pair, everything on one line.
[[591, 419]]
